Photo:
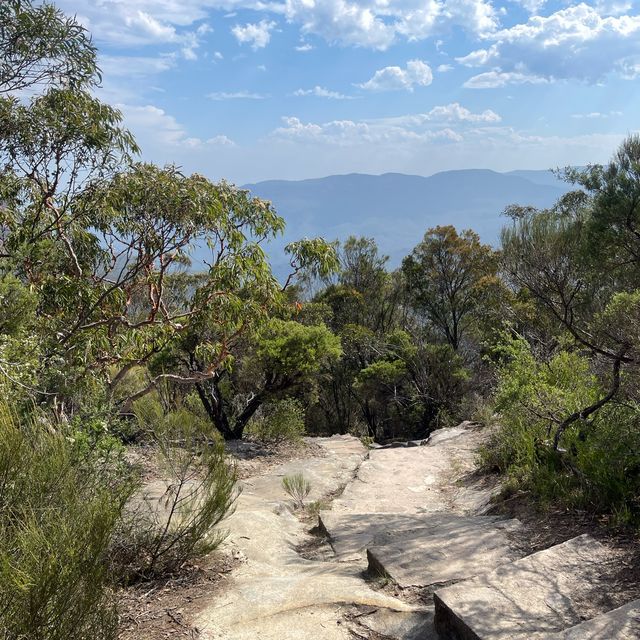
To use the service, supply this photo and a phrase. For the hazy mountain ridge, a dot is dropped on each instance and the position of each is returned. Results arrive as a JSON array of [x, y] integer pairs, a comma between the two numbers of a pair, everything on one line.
[[396, 209]]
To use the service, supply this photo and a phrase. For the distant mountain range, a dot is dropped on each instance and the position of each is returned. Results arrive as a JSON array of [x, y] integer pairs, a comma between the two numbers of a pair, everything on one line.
[[396, 209]]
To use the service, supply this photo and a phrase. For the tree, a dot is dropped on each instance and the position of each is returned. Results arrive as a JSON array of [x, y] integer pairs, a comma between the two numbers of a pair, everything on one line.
[[101, 243], [448, 277], [280, 359], [579, 260], [39, 45]]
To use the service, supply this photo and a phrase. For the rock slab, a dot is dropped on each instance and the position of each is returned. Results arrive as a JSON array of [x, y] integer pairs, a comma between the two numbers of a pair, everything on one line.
[[531, 598], [449, 551], [622, 623]]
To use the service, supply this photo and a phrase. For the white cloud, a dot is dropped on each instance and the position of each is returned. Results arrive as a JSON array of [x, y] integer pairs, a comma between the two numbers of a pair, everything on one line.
[[613, 7], [258, 34], [304, 47], [149, 27], [153, 123], [349, 133], [475, 16], [167, 130], [496, 79], [143, 22], [479, 57], [443, 68], [321, 92], [375, 24], [577, 42], [235, 95], [222, 141], [629, 68], [455, 111], [416, 73], [449, 113], [406, 144], [192, 41], [449, 123]]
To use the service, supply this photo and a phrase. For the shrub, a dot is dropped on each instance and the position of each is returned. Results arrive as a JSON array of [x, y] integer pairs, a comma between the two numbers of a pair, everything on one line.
[[598, 467], [197, 492], [59, 506], [297, 487], [280, 421]]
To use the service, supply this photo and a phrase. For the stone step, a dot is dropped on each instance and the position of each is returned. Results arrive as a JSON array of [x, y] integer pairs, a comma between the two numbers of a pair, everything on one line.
[[452, 551], [545, 593], [622, 623]]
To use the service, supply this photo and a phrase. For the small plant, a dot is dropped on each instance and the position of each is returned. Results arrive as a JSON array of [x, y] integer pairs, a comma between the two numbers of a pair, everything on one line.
[[297, 487], [198, 492], [314, 508]]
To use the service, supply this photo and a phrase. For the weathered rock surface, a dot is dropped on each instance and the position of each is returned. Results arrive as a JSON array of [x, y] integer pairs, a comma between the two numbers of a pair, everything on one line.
[[530, 598], [622, 623], [453, 550], [276, 593], [414, 513], [408, 626]]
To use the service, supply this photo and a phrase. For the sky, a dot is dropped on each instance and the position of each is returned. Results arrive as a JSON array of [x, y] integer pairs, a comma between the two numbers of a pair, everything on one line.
[[248, 90]]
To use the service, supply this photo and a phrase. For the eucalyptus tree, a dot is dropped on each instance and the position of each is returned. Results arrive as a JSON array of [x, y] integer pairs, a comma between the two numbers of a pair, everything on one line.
[[580, 261], [449, 277], [40, 45]]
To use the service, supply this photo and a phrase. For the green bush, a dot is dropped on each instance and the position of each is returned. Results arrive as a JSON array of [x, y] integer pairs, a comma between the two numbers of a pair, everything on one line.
[[196, 492], [598, 466], [279, 422], [59, 506]]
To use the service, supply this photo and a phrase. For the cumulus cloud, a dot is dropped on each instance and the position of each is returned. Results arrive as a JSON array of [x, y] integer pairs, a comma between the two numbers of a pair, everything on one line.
[[577, 42], [450, 123], [258, 34], [416, 73], [375, 24], [354, 133], [221, 141], [321, 92], [456, 111], [449, 113]]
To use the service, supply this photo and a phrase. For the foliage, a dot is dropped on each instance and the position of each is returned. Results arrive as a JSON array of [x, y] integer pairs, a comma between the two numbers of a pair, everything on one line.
[[39, 45], [297, 487], [280, 421], [60, 505], [282, 358], [449, 276], [599, 467], [197, 492]]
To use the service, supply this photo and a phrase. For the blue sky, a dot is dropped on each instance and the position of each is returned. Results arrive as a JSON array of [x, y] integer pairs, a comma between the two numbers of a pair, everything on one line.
[[249, 90]]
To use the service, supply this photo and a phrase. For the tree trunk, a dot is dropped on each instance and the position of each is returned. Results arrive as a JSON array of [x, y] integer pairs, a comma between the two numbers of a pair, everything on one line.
[[213, 404], [586, 412], [241, 421]]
